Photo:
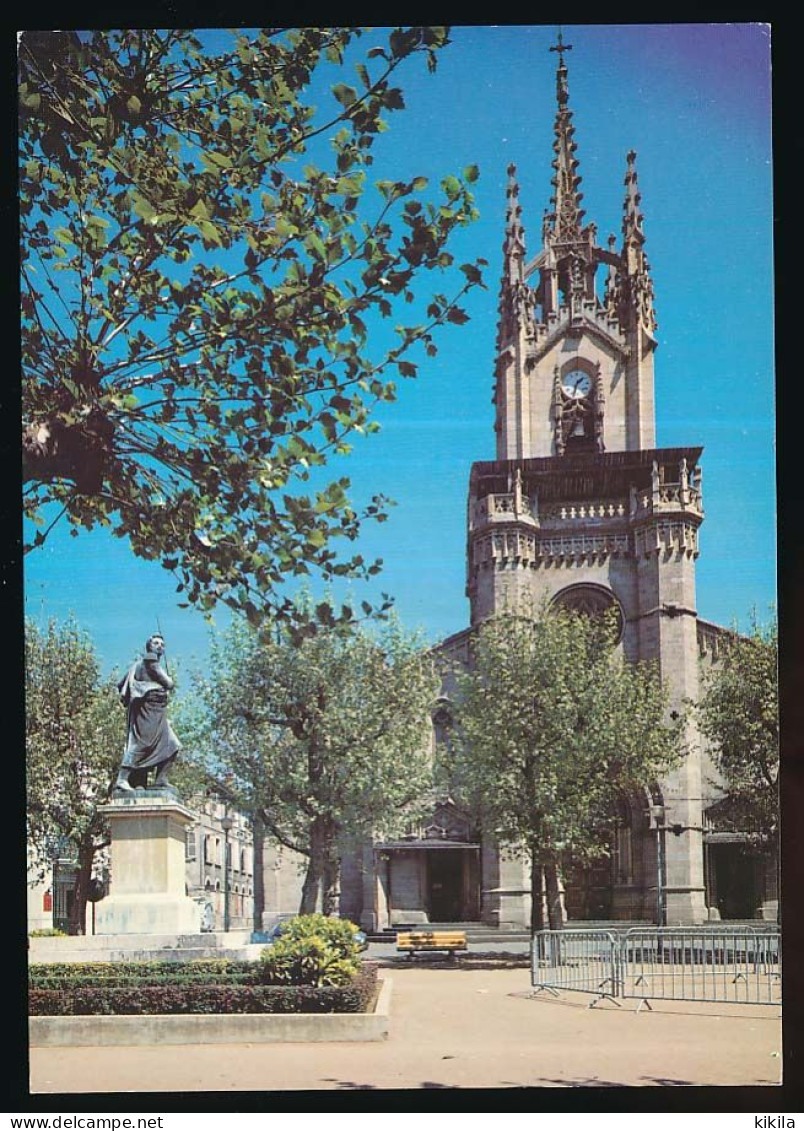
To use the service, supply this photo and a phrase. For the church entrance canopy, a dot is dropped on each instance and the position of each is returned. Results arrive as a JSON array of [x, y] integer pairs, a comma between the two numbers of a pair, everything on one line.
[[429, 881]]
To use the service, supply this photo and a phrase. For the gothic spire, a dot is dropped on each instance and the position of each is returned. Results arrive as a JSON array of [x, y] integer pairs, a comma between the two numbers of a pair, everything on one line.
[[632, 217], [567, 215], [516, 300], [637, 267], [514, 245]]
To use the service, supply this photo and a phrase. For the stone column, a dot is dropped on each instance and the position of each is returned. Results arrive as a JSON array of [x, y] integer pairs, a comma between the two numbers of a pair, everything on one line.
[[514, 891], [148, 851], [374, 915], [666, 575]]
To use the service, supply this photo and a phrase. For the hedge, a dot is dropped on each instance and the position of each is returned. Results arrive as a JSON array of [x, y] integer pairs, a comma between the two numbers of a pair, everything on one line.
[[158, 974], [203, 969], [74, 1000]]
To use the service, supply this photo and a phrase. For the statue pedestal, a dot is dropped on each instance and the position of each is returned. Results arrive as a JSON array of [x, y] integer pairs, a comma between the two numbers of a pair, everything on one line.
[[148, 852]]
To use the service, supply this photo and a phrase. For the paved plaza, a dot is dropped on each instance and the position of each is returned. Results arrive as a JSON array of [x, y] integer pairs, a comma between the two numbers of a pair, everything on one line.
[[470, 1023]]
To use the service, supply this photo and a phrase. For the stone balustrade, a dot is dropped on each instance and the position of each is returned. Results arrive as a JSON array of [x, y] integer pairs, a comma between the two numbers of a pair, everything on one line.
[[591, 310], [582, 512], [670, 497], [502, 508], [529, 549]]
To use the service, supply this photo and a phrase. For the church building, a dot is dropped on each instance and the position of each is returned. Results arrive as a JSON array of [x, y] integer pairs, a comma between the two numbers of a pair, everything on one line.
[[579, 506]]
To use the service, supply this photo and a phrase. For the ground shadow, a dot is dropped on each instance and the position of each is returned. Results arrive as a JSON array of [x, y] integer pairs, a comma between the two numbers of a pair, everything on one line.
[[662, 1008], [596, 1082], [350, 1084], [481, 962]]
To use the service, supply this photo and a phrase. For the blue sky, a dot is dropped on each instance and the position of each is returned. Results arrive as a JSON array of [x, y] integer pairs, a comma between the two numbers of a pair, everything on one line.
[[694, 102]]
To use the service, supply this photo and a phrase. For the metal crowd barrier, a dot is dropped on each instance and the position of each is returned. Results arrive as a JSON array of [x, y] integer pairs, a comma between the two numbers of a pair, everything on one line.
[[575, 960], [708, 964], [719, 964]]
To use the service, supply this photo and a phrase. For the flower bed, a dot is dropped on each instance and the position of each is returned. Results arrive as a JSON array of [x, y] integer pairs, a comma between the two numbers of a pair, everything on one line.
[[313, 968]]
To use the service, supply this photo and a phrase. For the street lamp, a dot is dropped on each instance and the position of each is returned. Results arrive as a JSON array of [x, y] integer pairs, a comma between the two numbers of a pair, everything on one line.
[[226, 824]]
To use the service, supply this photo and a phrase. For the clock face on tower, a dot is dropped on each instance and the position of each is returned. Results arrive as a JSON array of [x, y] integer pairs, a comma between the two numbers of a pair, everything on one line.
[[576, 384]]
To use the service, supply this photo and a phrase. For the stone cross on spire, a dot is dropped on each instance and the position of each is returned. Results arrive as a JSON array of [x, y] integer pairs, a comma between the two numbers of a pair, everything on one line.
[[561, 47]]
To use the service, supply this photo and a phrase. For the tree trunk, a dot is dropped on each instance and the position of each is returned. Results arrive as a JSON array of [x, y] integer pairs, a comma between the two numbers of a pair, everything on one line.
[[258, 841], [538, 919], [54, 450], [86, 856], [315, 868], [556, 910], [329, 882], [309, 896]]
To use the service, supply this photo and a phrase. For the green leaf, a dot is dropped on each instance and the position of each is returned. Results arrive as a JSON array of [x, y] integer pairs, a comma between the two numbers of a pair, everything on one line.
[[346, 95], [200, 211], [215, 161], [471, 272], [210, 232], [459, 317], [314, 243], [143, 207]]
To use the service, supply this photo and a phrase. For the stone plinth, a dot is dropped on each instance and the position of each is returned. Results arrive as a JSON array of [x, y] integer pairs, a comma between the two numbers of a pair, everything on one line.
[[148, 895]]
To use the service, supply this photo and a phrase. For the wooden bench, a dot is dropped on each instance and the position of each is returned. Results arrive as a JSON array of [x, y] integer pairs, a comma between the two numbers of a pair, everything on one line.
[[428, 941]]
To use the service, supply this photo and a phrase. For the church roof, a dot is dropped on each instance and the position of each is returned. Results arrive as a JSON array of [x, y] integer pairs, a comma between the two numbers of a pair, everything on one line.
[[573, 476]]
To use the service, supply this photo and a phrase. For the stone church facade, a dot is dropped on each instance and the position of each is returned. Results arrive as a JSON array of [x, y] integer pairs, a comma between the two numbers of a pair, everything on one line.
[[581, 508]]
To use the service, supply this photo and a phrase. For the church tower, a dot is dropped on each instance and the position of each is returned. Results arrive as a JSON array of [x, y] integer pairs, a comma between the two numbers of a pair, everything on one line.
[[580, 507]]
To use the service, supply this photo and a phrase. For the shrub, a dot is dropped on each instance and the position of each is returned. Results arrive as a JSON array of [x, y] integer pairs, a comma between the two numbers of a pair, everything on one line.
[[47, 933], [312, 950], [306, 962], [338, 933], [355, 997]]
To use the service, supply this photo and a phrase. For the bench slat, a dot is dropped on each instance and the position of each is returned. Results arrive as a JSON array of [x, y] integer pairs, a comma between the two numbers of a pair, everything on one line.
[[431, 940]]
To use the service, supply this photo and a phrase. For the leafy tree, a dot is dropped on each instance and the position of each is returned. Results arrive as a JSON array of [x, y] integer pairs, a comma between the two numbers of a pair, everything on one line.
[[75, 732], [202, 252], [739, 713], [324, 741], [552, 725]]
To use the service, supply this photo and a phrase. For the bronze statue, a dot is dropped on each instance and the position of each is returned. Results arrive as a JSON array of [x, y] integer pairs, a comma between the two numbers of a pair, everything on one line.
[[151, 743]]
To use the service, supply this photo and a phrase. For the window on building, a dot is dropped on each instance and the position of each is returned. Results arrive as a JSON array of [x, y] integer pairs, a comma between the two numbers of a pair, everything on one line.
[[208, 850], [218, 857], [190, 849]]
